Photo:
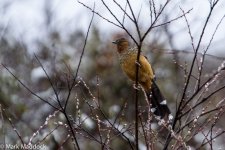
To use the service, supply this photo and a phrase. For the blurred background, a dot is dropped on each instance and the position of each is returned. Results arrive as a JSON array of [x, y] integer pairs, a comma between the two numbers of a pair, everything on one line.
[[55, 31]]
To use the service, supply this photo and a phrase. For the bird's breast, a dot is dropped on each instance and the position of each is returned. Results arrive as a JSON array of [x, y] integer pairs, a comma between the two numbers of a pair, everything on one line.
[[128, 65]]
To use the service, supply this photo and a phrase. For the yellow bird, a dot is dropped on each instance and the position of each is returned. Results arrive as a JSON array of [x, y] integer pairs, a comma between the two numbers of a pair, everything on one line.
[[128, 61]]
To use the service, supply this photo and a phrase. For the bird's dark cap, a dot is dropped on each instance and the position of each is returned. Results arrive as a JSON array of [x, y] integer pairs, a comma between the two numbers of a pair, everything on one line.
[[119, 40], [114, 42]]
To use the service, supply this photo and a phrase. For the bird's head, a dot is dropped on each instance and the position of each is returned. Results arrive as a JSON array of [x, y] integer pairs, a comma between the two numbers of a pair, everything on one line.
[[122, 44]]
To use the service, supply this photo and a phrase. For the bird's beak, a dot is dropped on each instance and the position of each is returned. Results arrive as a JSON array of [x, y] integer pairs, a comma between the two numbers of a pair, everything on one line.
[[114, 42]]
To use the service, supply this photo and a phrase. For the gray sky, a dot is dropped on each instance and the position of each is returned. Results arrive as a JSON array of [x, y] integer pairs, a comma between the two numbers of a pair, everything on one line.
[[26, 21]]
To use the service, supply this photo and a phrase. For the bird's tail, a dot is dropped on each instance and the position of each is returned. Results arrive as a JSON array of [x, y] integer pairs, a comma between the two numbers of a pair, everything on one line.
[[159, 104]]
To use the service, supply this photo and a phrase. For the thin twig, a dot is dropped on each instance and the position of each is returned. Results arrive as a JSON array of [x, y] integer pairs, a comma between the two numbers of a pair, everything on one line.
[[124, 15], [98, 14], [203, 100], [155, 20], [207, 48], [13, 126], [124, 10], [74, 81], [172, 20], [137, 27], [187, 82], [81, 56], [28, 89], [51, 83], [121, 24], [139, 13], [210, 79], [3, 125]]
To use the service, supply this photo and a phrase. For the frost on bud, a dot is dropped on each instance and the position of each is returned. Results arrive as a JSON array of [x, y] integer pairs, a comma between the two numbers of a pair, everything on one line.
[[60, 123], [170, 117], [195, 120]]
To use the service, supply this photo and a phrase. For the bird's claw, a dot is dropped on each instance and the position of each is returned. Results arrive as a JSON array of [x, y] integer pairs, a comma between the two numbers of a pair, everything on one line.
[[137, 87], [137, 63]]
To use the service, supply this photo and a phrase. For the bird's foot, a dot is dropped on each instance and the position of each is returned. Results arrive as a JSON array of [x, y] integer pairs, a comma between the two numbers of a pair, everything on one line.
[[137, 63], [137, 87]]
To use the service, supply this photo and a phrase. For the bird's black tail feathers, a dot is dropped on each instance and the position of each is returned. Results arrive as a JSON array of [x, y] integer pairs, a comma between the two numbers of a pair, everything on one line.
[[159, 104]]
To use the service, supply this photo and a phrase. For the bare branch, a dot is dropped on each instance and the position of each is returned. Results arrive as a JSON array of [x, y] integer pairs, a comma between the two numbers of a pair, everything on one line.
[[79, 63], [155, 20], [192, 65], [50, 81], [12, 125], [124, 10], [135, 21], [28, 89], [172, 20], [124, 15], [205, 51], [98, 14]]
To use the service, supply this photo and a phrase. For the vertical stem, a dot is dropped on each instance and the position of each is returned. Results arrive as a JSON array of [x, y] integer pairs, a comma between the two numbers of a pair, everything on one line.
[[136, 116], [136, 96]]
